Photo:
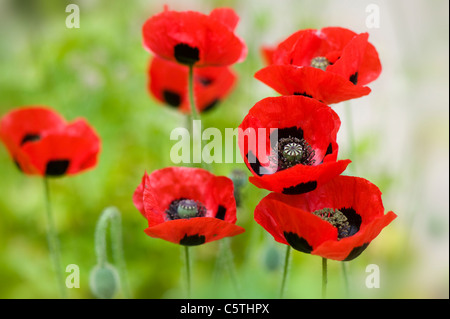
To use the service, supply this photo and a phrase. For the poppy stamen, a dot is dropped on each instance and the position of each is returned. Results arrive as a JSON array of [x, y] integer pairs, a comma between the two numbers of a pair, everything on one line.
[[292, 151], [185, 209], [336, 218], [320, 62]]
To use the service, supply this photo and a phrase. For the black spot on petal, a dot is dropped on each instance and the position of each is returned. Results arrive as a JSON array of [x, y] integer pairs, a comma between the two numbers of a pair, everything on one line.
[[354, 78], [172, 98], [297, 242], [303, 94], [255, 164], [354, 220], [186, 54], [328, 151], [56, 167], [286, 132], [221, 211], [300, 188], [356, 252], [211, 105], [30, 138], [205, 81], [192, 240]]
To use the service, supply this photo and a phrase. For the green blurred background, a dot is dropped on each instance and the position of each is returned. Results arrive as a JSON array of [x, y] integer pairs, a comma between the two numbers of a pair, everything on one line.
[[99, 72]]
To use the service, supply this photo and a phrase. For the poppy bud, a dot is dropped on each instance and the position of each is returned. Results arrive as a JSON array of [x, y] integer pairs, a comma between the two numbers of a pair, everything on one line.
[[104, 281]]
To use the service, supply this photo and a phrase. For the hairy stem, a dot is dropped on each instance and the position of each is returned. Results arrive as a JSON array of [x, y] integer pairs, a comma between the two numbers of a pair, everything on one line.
[[53, 242], [285, 271], [111, 216], [324, 278], [188, 270]]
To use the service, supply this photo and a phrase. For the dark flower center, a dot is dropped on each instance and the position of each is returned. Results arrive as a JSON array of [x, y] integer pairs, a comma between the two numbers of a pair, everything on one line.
[[292, 151], [320, 62], [185, 54], [185, 209], [336, 218]]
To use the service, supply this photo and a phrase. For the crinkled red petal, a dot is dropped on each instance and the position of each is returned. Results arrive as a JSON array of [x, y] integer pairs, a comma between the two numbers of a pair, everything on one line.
[[159, 189], [203, 229], [342, 249], [168, 82], [226, 16], [324, 86], [351, 57], [310, 176], [278, 218], [343, 192], [77, 143], [216, 42]]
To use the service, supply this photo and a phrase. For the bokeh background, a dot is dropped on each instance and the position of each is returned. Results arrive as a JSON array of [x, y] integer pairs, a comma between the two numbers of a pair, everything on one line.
[[401, 133]]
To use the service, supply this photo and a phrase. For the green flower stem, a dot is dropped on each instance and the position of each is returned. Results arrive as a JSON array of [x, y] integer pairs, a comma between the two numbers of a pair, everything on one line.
[[324, 277], [53, 242], [187, 262], [230, 265], [194, 116], [285, 271], [111, 216], [194, 113], [344, 273], [351, 136]]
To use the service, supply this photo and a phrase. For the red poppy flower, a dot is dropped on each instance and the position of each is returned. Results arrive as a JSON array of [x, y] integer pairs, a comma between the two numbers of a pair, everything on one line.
[[194, 38], [337, 221], [187, 206], [289, 144], [42, 143], [332, 65], [168, 82]]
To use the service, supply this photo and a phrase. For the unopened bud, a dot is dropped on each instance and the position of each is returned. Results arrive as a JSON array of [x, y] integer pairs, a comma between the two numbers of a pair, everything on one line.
[[104, 281]]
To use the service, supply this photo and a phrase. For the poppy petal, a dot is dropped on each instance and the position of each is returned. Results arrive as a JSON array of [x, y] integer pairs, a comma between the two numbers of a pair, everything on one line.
[[356, 198], [41, 142], [199, 39], [75, 149], [312, 82], [351, 58], [350, 247], [226, 16], [314, 122], [168, 82], [194, 231], [292, 226], [138, 195], [300, 178]]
